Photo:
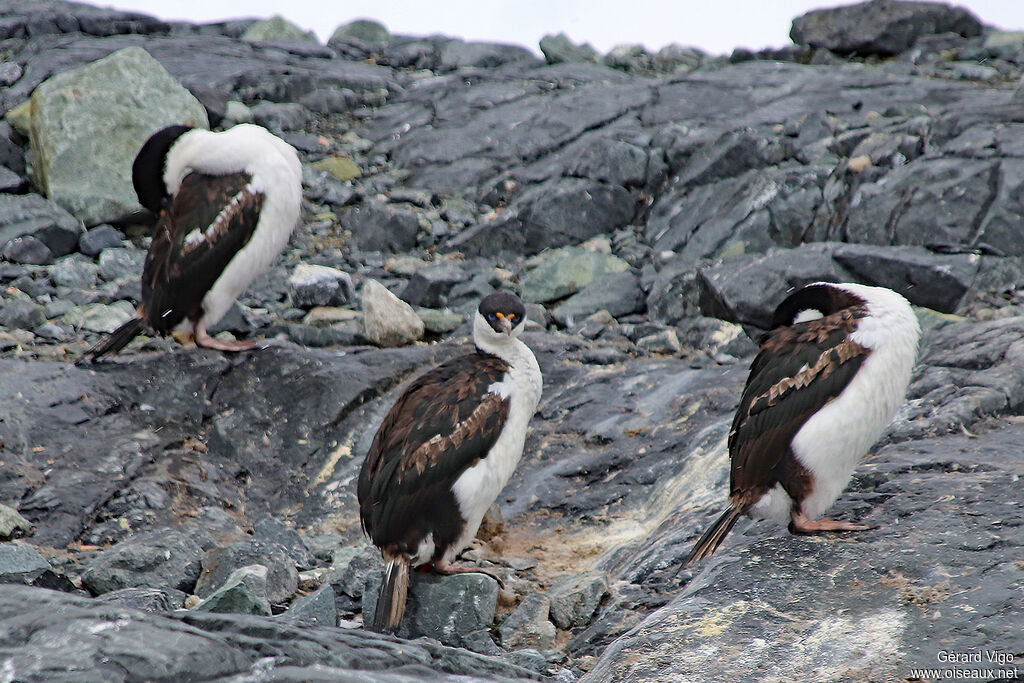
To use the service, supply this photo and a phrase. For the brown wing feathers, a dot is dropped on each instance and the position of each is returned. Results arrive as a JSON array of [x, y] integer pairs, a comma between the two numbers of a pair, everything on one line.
[[207, 222], [798, 371], [444, 423]]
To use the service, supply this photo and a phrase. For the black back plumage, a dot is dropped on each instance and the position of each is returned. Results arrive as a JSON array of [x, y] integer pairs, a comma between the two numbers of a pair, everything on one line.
[[444, 423]]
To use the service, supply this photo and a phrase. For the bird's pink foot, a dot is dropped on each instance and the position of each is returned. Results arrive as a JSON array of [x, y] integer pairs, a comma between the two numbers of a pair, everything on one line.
[[204, 339], [801, 524]]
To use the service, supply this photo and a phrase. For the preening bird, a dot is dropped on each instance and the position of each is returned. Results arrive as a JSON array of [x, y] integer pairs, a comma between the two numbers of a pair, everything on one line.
[[830, 375], [226, 204], [445, 450]]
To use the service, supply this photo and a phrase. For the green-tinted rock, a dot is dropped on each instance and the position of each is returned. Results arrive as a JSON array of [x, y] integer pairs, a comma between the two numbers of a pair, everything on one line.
[[244, 592], [326, 316], [439, 322], [366, 30], [277, 28], [20, 117], [87, 125], [13, 525], [100, 317], [448, 608], [559, 49], [557, 273], [574, 599], [237, 112], [1004, 39], [933, 320], [341, 168]]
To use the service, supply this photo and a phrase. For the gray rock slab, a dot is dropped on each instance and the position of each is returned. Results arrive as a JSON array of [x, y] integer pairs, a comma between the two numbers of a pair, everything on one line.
[[447, 608], [277, 28], [552, 215], [157, 559], [272, 530], [115, 264], [377, 226], [27, 249], [243, 592], [618, 293], [280, 579], [936, 552], [528, 625], [62, 644], [75, 271], [429, 286], [574, 599], [352, 567], [32, 215], [20, 563], [312, 285], [99, 238], [100, 317], [314, 609], [559, 48], [881, 28], [146, 599], [21, 313]]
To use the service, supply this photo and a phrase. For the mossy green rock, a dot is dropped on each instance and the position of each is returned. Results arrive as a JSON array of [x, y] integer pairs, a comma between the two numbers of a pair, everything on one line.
[[557, 273], [342, 168], [277, 28], [88, 124], [366, 30]]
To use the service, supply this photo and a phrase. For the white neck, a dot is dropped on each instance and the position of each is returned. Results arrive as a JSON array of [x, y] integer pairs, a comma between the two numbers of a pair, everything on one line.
[[507, 347]]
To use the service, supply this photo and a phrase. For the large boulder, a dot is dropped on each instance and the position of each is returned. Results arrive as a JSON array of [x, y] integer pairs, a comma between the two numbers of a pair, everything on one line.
[[87, 125], [880, 27]]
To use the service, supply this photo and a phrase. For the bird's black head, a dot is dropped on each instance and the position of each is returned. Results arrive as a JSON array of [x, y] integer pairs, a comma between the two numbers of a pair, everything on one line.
[[503, 311], [812, 302], [148, 167]]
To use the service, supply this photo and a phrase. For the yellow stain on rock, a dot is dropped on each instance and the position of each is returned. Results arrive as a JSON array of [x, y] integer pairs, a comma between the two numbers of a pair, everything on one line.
[[344, 449]]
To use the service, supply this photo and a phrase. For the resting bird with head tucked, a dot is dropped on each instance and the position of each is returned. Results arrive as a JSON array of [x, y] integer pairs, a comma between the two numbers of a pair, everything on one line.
[[830, 375], [226, 204], [445, 450]]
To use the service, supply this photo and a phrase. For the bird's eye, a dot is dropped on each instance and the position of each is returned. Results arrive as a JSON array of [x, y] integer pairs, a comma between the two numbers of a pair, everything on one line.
[[491, 317], [516, 319]]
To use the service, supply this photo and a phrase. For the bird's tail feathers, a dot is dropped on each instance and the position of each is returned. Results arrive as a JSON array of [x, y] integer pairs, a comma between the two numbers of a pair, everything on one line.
[[713, 537], [394, 588], [115, 341]]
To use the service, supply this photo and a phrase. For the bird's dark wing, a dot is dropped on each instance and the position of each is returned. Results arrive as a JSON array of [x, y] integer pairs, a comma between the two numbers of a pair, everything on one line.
[[798, 371], [197, 234], [444, 423]]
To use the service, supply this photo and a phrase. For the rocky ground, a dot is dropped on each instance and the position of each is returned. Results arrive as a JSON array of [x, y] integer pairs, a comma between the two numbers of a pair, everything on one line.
[[181, 514]]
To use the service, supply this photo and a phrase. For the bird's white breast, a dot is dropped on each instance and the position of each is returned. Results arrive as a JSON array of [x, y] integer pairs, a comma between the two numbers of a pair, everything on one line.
[[477, 488], [833, 440]]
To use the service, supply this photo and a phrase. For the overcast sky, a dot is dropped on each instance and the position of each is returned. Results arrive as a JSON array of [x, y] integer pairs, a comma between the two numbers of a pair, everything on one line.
[[717, 26]]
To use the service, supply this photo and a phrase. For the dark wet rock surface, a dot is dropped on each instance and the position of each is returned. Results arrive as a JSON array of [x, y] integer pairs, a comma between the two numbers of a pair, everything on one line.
[[652, 209]]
